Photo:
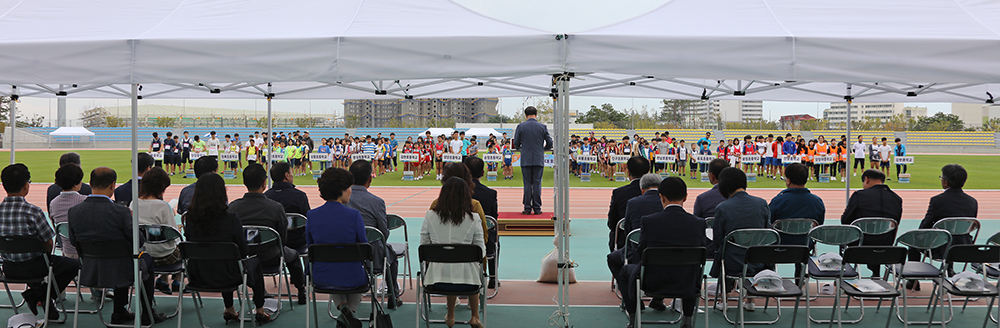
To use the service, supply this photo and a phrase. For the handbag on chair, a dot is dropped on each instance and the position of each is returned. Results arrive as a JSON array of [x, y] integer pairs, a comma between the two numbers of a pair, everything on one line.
[[379, 318]]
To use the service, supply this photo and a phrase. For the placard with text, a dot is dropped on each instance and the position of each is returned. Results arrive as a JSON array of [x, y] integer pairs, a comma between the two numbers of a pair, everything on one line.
[[229, 157], [367, 157], [789, 159], [827, 159], [619, 158], [904, 160], [665, 158], [492, 158], [409, 158], [157, 156], [750, 159], [451, 158], [703, 159], [589, 159], [319, 157]]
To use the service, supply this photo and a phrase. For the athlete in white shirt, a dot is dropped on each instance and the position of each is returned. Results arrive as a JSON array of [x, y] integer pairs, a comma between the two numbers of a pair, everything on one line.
[[860, 150], [884, 151]]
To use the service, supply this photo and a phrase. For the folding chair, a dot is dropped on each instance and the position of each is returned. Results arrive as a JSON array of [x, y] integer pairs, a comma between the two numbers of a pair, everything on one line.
[[337, 253], [840, 236], [619, 229], [923, 240], [373, 235], [632, 238], [491, 223], [401, 250], [794, 226], [12, 305], [213, 252], [110, 249], [29, 244], [742, 238], [297, 221], [62, 231], [661, 258], [164, 234], [958, 227], [774, 254], [990, 269], [877, 255], [262, 240], [969, 254], [447, 253]]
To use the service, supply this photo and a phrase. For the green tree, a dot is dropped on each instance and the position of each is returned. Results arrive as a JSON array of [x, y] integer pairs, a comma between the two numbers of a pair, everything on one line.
[[605, 113], [940, 122], [35, 121], [672, 111], [305, 122], [351, 122], [166, 122], [499, 119], [116, 122]]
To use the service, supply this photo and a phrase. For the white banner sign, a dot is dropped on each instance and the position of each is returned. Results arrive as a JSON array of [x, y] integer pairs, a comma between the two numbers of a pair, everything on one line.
[[789, 159], [319, 157], [213, 152], [904, 160], [492, 158], [196, 156], [157, 156], [750, 159], [451, 158], [666, 158], [703, 159], [251, 157], [409, 158], [229, 157], [590, 159], [620, 158], [823, 159], [367, 157], [277, 157]]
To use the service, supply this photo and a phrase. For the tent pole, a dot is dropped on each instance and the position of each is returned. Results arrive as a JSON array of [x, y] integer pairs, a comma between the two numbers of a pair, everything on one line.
[[135, 213], [847, 186], [12, 120], [561, 191], [270, 127]]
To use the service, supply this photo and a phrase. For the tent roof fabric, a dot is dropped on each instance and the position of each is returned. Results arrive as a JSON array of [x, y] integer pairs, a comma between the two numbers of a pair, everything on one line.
[[71, 131], [895, 50]]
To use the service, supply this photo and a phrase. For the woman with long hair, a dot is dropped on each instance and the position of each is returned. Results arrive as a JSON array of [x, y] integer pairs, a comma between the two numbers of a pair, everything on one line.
[[452, 221], [153, 210], [461, 171], [207, 220], [335, 223]]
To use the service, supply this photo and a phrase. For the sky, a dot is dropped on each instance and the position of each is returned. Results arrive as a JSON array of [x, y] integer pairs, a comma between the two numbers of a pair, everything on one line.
[[590, 14]]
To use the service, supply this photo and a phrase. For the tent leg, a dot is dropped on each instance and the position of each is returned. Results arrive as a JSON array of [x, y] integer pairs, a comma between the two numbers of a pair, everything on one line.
[[135, 213], [12, 119], [270, 127], [847, 184], [561, 191]]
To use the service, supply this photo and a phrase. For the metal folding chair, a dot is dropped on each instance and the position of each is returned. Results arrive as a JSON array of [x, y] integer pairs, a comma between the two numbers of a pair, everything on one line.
[[742, 238], [338, 253], [619, 229], [262, 240], [774, 254], [491, 223], [402, 250], [923, 240], [661, 258], [213, 252], [969, 254], [372, 234], [990, 269], [297, 221], [447, 253], [29, 244], [111, 249], [877, 255], [164, 234], [794, 226], [840, 236], [958, 227]]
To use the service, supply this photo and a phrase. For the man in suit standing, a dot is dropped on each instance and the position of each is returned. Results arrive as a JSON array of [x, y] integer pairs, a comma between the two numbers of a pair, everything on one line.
[[99, 219], [952, 203], [488, 199], [123, 194], [637, 207], [532, 138], [875, 200], [619, 200], [671, 227]]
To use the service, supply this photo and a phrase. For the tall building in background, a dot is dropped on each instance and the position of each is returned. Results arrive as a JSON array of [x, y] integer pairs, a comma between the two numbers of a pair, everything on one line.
[[836, 115], [974, 115], [712, 112], [418, 112]]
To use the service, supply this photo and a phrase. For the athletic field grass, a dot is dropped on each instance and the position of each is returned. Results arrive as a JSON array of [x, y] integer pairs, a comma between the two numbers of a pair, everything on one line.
[[982, 172]]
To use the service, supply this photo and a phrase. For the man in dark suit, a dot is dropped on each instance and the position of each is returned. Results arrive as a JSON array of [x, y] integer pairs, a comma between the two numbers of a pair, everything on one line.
[[123, 194], [637, 207], [532, 138], [99, 219], [619, 199], [952, 203], [54, 189], [488, 199], [673, 226], [875, 200]]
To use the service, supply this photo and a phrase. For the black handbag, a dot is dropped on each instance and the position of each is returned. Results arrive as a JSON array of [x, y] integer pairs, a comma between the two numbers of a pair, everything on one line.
[[380, 319]]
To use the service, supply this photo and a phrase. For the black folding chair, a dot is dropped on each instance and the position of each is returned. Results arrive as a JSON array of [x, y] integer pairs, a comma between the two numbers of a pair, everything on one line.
[[774, 254], [668, 258], [157, 234], [447, 253], [338, 253], [297, 221], [109, 249], [29, 244], [212, 253], [969, 254], [402, 250], [874, 255], [923, 240], [491, 223], [741, 238], [372, 234], [619, 229], [263, 240], [840, 236]]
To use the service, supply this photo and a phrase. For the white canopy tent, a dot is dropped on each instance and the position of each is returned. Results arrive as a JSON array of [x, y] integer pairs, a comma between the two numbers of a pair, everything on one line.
[[482, 132], [891, 50], [71, 132]]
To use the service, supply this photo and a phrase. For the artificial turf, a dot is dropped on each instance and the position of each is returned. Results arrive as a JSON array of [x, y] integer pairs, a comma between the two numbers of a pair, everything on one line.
[[982, 172]]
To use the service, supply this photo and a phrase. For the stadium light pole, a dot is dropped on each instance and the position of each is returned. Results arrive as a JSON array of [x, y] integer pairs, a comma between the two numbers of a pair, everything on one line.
[[847, 185], [135, 212]]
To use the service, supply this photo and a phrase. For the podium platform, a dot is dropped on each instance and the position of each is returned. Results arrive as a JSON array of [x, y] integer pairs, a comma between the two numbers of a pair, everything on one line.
[[517, 224]]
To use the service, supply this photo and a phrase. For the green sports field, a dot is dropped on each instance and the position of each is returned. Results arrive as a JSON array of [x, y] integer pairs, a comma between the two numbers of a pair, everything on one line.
[[982, 172]]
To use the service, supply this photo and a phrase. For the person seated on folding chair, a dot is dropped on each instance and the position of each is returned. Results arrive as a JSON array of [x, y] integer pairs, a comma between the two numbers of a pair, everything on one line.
[[100, 219], [452, 221], [154, 211], [796, 202], [488, 199], [673, 226], [636, 208], [209, 221], [875, 200], [19, 218], [739, 211], [254, 209], [951, 203], [335, 223], [372, 209]]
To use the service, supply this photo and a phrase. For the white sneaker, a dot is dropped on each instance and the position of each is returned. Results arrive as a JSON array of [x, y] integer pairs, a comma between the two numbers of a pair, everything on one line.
[[675, 305], [842, 179], [720, 306], [750, 307]]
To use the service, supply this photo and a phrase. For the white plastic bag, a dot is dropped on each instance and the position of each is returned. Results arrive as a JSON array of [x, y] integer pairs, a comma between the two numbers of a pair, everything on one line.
[[550, 269], [768, 281], [968, 281]]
